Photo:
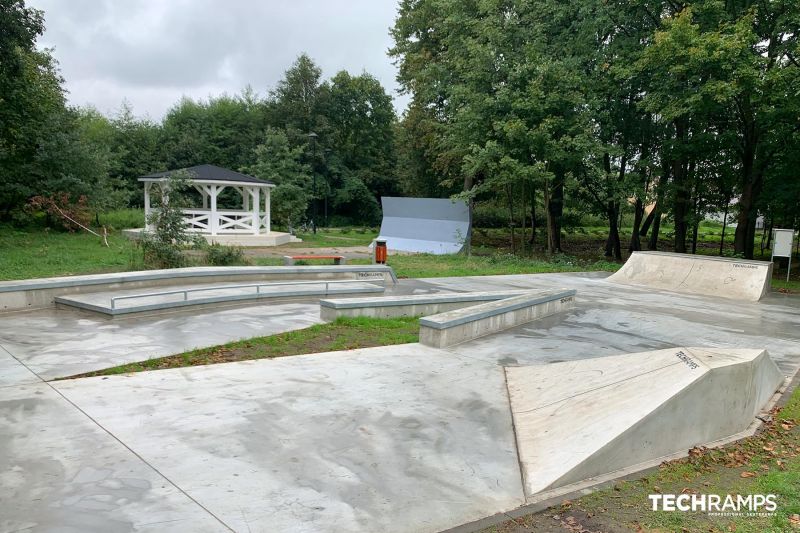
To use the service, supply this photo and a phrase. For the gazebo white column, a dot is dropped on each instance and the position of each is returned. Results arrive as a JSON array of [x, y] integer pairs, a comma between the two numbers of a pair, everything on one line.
[[213, 217], [147, 209], [254, 192], [267, 207]]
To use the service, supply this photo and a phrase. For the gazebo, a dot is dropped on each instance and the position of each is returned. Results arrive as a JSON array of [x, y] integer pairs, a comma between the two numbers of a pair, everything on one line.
[[248, 226]]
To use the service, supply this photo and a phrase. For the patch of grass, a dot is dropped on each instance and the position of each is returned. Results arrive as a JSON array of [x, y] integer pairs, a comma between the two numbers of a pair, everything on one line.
[[46, 253], [332, 237], [431, 266], [767, 463], [342, 334], [123, 218]]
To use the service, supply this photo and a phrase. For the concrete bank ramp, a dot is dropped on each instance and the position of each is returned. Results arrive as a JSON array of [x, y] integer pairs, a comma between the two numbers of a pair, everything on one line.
[[737, 279], [583, 419]]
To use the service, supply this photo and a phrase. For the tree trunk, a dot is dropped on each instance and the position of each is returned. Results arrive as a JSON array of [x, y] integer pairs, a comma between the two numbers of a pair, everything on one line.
[[679, 180], [555, 208], [724, 225], [613, 247], [752, 183], [647, 222], [468, 182], [638, 213], [510, 194], [533, 217], [744, 238]]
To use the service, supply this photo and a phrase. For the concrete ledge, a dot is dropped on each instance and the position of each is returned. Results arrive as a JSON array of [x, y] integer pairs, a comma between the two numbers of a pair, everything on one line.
[[38, 293], [167, 303], [407, 305], [454, 327], [736, 279]]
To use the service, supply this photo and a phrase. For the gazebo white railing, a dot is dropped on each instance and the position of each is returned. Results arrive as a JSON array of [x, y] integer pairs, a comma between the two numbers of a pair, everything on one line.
[[210, 181]]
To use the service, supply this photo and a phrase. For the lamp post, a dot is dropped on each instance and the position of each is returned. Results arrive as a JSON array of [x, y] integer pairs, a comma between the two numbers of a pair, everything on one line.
[[313, 137], [327, 183]]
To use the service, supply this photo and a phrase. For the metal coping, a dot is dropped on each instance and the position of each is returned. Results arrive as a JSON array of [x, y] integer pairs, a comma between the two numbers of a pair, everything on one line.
[[705, 257], [210, 300], [490, 309], [419, 299]]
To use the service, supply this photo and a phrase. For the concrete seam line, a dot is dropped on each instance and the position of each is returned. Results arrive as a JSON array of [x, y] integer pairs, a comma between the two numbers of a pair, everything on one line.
[[142, 459], [26, 367], [516, 441]]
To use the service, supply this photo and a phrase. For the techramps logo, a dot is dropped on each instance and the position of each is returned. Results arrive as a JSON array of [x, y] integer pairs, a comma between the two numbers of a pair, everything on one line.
[[751, 505]]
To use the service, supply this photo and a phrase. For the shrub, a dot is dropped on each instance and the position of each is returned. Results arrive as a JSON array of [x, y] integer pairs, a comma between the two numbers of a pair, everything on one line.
[[70, 214], [163, 246], [219, 255]]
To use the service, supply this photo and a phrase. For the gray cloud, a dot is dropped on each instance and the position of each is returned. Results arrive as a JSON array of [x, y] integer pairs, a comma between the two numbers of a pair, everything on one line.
[[152, 52]]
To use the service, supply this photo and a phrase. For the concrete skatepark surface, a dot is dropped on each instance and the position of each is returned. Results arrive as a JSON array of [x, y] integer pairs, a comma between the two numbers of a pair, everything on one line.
[[399, 438]]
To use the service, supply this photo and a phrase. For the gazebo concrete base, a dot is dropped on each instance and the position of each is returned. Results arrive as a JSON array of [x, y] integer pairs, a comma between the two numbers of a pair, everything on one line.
[[273, 238]]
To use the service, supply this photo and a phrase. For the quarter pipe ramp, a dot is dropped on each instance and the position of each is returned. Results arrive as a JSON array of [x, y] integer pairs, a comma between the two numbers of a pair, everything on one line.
[[736, 279]]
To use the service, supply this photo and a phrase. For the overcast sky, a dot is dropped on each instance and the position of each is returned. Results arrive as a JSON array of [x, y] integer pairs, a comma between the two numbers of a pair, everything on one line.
[[151, 52]]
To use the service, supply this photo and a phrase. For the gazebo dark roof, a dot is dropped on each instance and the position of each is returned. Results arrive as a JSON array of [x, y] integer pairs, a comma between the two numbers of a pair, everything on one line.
[[209, 173]]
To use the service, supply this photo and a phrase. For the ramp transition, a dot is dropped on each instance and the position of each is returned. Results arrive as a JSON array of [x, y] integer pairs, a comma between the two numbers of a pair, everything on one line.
[[583, 419], [736, 279]]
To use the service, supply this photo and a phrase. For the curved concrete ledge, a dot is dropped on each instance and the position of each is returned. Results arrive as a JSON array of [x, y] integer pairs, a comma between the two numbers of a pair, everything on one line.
[[609, 414], [407, 305], [162, 302], [460, 325], [36, 293], [736, 279]]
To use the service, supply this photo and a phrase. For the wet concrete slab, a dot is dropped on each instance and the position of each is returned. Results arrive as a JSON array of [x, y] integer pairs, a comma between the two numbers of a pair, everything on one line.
[[400, 438], [64, 342], [59, 471]]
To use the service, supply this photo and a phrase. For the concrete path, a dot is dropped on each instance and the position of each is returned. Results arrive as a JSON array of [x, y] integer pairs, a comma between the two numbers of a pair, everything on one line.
[[401, 438]]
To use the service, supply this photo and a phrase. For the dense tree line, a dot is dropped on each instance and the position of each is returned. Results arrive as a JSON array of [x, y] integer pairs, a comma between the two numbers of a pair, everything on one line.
[[683, 106], [48, 148], [540, 110]]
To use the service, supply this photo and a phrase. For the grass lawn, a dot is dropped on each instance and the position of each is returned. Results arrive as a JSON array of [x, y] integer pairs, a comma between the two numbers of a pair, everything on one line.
[[333, 237], [42, 253], [431, 266], [767, 463], [39, 254], [342, 334]]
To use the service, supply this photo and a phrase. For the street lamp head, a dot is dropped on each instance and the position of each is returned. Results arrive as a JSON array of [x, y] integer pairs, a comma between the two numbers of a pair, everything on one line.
[[313, 135]]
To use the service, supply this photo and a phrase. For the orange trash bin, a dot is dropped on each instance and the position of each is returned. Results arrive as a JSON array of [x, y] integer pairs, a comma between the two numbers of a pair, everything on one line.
[[380, 252]]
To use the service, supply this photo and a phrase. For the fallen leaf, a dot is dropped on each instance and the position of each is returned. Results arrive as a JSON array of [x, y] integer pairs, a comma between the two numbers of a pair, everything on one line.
[[748, 474]]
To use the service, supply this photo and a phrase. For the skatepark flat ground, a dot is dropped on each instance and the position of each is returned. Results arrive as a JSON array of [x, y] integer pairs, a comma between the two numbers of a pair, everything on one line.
[[398, 438]]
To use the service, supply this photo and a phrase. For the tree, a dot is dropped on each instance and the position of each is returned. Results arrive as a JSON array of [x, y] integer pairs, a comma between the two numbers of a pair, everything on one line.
[[278, 162], [163, 245]]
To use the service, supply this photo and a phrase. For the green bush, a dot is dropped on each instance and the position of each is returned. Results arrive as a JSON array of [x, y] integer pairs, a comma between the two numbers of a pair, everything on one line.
[[163, 246], [219, 255]]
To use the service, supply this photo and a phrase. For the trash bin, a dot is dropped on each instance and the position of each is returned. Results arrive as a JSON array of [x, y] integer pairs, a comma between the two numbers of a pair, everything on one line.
[[380, 252]]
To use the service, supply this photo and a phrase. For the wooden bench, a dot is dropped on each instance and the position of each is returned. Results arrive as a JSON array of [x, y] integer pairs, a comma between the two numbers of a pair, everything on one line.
[[289, 260]]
